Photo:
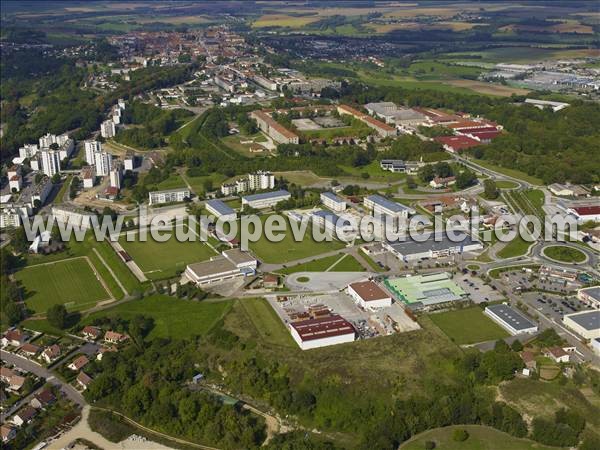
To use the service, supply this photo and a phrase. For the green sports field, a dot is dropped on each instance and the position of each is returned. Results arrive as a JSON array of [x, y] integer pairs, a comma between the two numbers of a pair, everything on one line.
[[70, 282], [468, 326], [289, 249], [173, 318], [160, 260]]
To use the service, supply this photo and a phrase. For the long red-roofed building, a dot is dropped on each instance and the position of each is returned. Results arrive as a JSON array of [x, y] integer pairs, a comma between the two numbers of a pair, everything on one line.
[[321, 332], [586, 213], [457, 143]]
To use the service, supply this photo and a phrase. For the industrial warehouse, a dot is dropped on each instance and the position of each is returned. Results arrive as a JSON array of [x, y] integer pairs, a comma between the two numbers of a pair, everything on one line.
[[510, 319], [426, 291], [436, 246]]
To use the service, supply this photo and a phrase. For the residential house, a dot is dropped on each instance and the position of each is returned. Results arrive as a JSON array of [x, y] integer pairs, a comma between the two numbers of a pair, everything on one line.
[[15, 382], [29, 350], [114, 338], [42, 399], [24, 416], [104, 350], [15, 337], [529, 360], [441, 183], [78, 363], [83, 380], [51, 353], [8, 433], [557, 354], [91, 333]]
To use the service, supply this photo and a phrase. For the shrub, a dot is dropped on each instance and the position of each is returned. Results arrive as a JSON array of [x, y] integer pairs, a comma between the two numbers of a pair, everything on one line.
[[460, 435]]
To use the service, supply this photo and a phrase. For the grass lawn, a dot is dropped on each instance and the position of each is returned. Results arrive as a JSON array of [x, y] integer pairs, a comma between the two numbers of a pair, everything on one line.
[[517, 247], [509, 172], [164, 259], [564, 254], [267, 322], [288, 249], [173, 182], [198, 184], [173, 317], [347, 263], [69, 282], [63, 189], [495, 273], [317, 265], [505, 184], [42, 326], [468, 326], [480, 438], [376, 173]]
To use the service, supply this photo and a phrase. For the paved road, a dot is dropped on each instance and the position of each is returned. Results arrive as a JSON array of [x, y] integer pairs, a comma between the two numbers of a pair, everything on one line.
[[40, 371]]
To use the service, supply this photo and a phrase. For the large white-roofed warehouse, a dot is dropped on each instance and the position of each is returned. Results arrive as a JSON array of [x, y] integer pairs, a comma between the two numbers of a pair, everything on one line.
[[510, 319], [425, 291]]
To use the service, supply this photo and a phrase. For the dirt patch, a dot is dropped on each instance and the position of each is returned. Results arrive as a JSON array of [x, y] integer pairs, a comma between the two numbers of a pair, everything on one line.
[[488, 88]]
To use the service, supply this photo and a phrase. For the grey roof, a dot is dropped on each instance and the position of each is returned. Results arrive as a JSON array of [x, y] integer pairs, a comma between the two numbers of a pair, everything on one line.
[[593, 292], [512, 317], [330, 217], [589, 320], [436, 242], [332, 196], [266, 195], [221, 208], [388, 204]]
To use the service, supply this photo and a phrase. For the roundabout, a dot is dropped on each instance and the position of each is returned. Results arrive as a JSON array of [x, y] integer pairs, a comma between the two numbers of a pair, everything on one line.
[[564, 254]]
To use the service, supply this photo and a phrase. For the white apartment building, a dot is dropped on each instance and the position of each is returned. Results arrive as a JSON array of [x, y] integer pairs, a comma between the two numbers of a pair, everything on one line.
[[107, 129], [168, 196], [102, 163], [50, 162], [265, 199], [28, 151], [381, 205], [229, 189], [333, 202], [116, 176], [91, 148], [47, 140], [88, 176], [129, 161], [66, 149], [261, 180]]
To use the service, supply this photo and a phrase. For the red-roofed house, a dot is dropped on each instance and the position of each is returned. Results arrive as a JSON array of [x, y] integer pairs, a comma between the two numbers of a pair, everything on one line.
[[114, 338], [51, 353], [16, 338], [455, 144], [321, 332], [83, 380], [8, 433], [369, 295], [557, 354], [92, 333], [24, 416], [29, 350], [441, 183], [42, 399], [78, 363]]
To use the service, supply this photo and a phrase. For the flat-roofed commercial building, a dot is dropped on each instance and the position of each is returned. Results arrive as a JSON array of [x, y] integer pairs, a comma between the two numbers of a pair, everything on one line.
[[220, 210], [510, 319], [426, 291], [169, 196], [383, 129], [276, 131], [321, 332], [585, 323], [265, 199], [369, 295], [381, 205], [333, 202], [590, 296], [596, 346], [229, 265], [438, 245]]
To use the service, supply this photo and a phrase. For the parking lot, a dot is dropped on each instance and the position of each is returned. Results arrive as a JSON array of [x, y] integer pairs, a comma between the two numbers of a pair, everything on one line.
[[522, 280], [553, 306], [478, 291], [383, 321]]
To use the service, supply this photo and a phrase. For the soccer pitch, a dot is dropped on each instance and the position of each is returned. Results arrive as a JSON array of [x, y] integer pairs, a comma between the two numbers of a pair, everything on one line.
[[163, 259], [72, 282], [468, 326]]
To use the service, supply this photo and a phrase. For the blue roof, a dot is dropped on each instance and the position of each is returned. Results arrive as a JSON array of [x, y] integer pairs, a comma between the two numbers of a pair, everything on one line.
[[330, 217], [388, 204], [266, 195], [220, 207], [332, 196]]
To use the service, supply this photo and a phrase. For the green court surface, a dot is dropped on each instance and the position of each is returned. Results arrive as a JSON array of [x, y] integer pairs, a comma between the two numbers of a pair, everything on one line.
[[427, 289], [164, 259], [70, 282], [468, 326]]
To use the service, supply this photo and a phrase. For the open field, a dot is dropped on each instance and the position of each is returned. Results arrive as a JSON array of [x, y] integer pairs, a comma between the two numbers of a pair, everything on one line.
[[522, 54], [266, 321], [489, 88], [72, 283], [301, 177], [173, 318], [505, 184], [564, 254], [517, 247], [164, 259], [334, 263], [480, 438], [288, 249], [283, 20], [199, 184], [538, 398], [468, 326]]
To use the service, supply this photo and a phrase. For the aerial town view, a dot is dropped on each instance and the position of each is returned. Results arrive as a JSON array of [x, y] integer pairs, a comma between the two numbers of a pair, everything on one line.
[[289, 225]]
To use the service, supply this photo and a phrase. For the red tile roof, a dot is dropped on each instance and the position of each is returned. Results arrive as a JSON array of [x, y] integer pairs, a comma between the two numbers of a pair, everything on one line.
[[587, 210], [323, 327], [457, 142]]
